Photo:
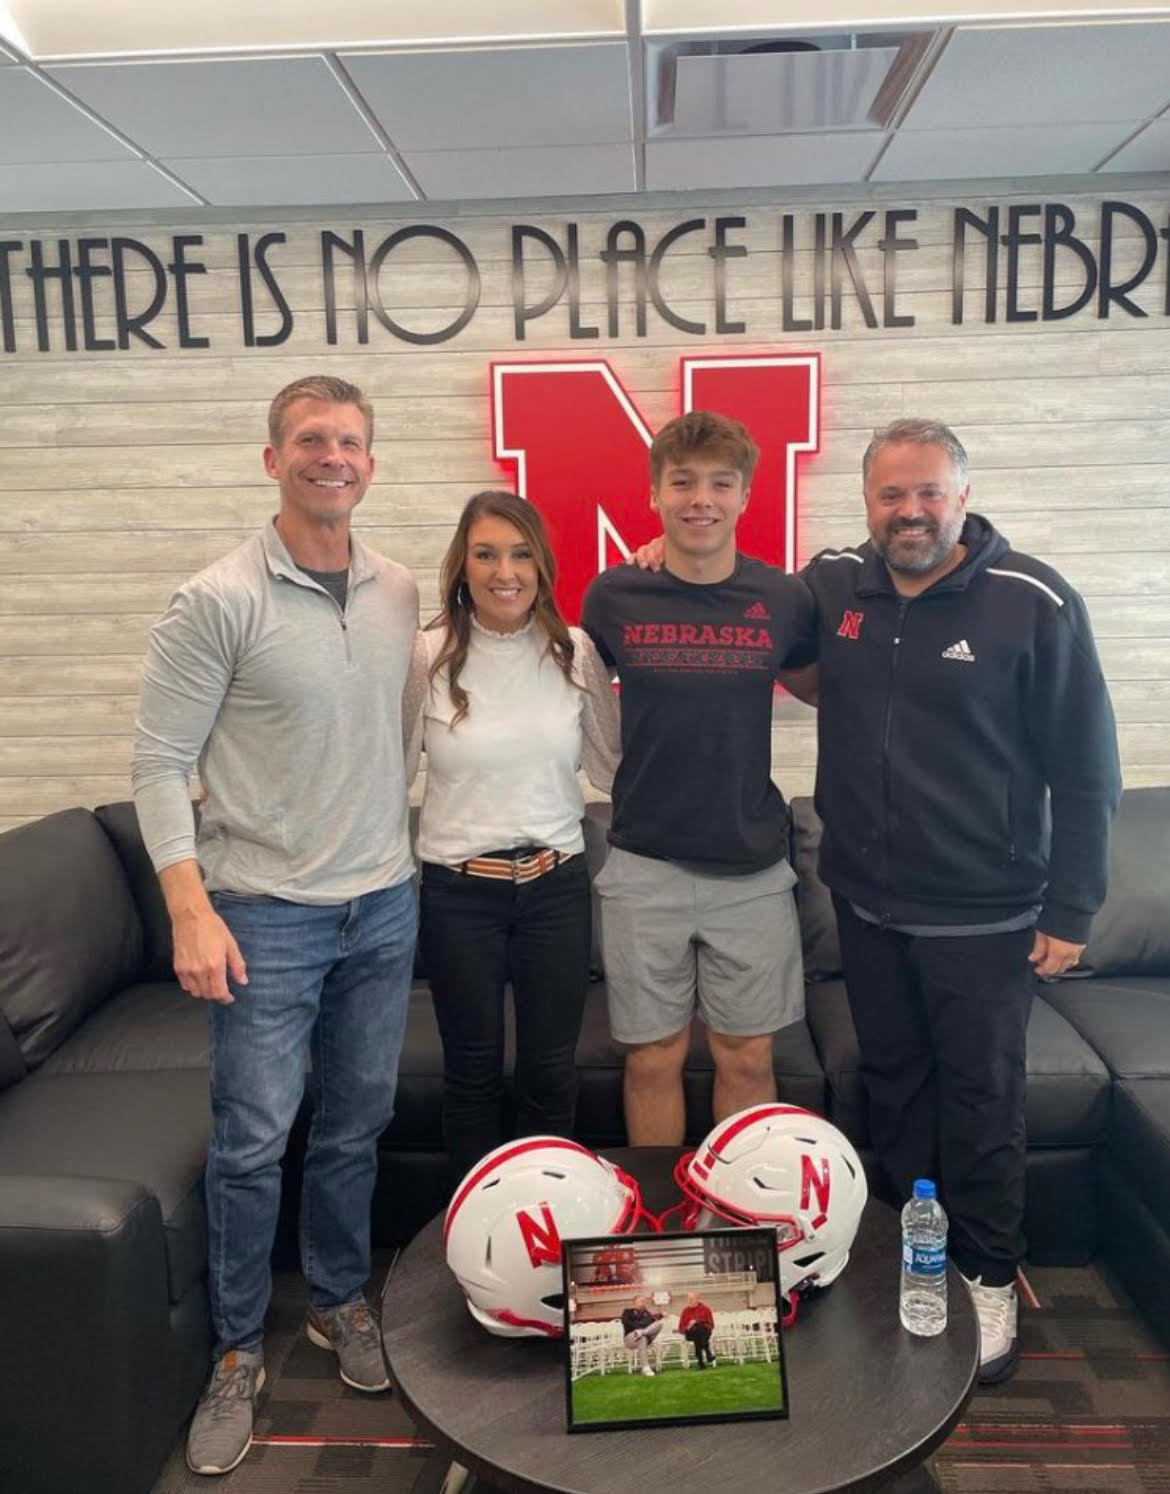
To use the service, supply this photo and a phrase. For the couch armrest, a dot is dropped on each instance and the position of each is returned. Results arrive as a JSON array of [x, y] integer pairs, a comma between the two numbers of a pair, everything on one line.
[[87, 1319]]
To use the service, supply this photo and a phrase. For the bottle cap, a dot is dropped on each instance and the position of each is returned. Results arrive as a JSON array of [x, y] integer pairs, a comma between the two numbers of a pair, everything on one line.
[[924, 1188]]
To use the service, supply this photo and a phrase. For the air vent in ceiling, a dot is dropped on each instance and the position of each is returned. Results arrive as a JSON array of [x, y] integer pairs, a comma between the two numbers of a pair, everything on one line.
[[775, 85]]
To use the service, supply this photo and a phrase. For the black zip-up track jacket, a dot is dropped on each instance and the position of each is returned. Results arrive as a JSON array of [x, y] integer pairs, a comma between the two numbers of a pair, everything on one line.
[[968, 764]]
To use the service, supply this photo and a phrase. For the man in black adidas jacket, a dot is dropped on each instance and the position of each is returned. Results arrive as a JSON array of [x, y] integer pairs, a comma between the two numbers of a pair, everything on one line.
[[967, 776]]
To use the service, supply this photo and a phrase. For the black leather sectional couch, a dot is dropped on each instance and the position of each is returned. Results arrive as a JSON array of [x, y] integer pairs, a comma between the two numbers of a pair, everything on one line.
[[104, 1115]]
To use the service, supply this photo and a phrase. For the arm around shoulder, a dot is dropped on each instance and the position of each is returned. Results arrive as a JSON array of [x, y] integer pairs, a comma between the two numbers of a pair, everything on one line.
[[414, 695], [601, 728]]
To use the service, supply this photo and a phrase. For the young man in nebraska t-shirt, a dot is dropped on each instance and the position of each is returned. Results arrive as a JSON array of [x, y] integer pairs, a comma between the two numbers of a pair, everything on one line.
[[696, 900]]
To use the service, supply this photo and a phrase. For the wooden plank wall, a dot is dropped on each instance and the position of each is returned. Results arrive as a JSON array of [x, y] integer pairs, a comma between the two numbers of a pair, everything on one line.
[[121, 473]]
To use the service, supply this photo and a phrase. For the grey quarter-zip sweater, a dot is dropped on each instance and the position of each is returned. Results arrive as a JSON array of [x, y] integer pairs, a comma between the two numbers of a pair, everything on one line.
[[292, 711]]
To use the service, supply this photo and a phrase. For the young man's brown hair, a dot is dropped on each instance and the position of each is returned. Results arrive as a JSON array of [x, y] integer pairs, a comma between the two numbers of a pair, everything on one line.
[[703, 433], [322, 387]]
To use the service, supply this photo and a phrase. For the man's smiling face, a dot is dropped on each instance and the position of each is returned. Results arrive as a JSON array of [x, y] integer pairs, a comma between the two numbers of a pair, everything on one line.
[[699, 501], [322, 462]]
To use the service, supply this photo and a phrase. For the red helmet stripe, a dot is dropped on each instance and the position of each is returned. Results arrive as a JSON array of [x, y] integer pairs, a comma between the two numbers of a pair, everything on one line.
[[749, 1118], [539, 1143], [514, 1320]]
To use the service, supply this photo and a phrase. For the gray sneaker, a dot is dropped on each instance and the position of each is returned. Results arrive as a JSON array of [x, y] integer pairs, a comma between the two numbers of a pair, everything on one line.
[[221, 1431], [353, 1333]]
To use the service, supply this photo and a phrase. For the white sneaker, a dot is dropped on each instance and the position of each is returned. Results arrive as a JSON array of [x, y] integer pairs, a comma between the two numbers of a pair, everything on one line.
[[711, 1360], [997, 1309], [646, 1370]]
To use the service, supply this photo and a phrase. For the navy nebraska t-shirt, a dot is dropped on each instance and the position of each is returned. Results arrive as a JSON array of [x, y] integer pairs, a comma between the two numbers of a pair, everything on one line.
[[697, 665]]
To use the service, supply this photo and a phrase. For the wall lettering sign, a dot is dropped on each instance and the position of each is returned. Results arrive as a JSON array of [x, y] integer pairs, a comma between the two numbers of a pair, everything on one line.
[[115, 293]]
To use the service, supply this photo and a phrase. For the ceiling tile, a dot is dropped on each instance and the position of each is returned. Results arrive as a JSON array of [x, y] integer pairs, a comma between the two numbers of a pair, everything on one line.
[[37, 124], [556, 171], [290, 106], [295, 181], [1046, 75], [77, 187], [1149, 151], [502, 96], [1034, 150], [760, 161]]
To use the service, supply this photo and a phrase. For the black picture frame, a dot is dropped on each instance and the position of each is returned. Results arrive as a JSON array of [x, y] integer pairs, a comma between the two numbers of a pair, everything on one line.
[[735, 1272]]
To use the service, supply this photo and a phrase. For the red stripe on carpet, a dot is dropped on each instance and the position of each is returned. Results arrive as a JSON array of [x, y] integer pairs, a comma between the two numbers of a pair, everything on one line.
[[1079, 1354], [1025, 1289], [968, 1443], [279, 1441], [1051, 1428]]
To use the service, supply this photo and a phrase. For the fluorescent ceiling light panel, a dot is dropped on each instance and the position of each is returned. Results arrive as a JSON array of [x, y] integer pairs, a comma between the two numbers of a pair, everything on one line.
[[84, 28], [765, 93]]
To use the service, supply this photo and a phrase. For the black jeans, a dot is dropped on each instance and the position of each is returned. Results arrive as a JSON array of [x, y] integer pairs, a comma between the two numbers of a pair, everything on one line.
[[476, 935], [942, 1027], [699, 1335]]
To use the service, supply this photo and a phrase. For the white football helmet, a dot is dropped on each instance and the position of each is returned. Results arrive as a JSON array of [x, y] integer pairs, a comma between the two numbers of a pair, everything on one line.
[[505, 1225], [783, 1166]]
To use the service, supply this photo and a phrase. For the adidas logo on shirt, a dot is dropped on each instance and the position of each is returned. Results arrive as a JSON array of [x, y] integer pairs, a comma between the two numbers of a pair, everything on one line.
[[757, 609], [960, 650]]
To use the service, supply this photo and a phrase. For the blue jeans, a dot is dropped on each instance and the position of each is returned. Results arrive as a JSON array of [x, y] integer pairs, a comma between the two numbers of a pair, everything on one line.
[[331, 984]]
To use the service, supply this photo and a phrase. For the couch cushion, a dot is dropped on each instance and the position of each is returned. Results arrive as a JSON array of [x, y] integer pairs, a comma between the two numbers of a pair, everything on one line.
[[818, 923], [831, 1025], [1131, 933], [120, 822], [70, 934], [149, 1026], [1139, 1142], [599, 1067], [1068, 1085], [1126, 1019], [148, 1128], [418, 1104], [595, 828]]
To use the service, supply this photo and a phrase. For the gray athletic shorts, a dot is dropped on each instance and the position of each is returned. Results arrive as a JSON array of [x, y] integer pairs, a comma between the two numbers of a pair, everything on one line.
[[673, 939]]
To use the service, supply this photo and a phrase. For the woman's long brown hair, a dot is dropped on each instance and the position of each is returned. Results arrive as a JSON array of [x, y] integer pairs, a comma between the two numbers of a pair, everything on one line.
[[456, 599]]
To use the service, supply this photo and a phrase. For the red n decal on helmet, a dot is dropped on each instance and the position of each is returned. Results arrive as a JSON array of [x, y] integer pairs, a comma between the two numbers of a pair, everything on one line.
[[541, 1237], [813, 1182]]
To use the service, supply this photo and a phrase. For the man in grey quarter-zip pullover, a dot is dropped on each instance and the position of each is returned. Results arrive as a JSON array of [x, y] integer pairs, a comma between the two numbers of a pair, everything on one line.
[[279, 672]]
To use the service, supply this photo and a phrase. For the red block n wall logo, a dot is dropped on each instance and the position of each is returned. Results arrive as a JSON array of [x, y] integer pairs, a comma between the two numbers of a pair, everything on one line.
[[579, 449]]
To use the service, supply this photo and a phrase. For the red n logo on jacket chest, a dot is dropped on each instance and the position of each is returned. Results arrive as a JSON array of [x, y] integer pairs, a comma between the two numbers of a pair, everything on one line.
[[851, 625]]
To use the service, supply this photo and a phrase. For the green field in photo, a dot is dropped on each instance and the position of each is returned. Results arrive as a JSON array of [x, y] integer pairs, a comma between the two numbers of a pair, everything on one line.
[[677, 1392]]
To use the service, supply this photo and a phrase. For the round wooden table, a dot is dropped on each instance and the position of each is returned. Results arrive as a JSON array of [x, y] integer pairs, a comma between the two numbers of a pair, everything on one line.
[[868, 1402]]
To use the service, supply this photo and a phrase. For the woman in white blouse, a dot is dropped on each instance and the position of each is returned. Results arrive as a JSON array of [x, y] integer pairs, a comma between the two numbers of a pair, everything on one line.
[[514, 702]]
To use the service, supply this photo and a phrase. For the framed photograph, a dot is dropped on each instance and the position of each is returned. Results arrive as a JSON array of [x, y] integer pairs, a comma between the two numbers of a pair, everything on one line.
[[662, 1329]]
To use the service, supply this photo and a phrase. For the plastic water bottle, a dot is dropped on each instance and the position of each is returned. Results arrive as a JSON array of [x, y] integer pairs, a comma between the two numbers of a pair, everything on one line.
[[923, 1301]]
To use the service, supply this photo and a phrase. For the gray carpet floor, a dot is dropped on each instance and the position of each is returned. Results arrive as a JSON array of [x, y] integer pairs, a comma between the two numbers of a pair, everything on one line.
[[1088, 1411]]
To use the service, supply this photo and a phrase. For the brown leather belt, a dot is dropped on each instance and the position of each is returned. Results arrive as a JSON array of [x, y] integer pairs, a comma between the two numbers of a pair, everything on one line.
[[524, 867]]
